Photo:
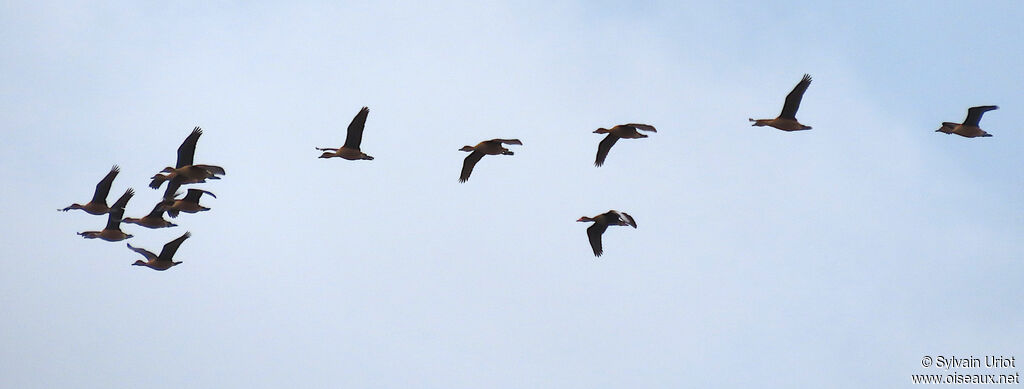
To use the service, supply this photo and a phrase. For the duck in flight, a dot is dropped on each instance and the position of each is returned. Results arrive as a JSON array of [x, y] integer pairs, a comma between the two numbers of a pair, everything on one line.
[[112, 232], [98, 204], [350, 150], [163, 261], [601, 223], [187, 204], [626, 131], [969, 128], [184, 171], [787, 119], [487, 147], [155, 218]]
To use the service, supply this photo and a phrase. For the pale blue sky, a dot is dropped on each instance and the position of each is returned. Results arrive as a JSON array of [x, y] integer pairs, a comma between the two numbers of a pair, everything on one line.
[[835, 257]]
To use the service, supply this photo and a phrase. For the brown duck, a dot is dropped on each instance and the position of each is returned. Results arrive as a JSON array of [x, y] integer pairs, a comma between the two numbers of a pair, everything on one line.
[[155, 218], [601, 223], [786, 121], [184, 171], [98, 204], [969, 128], [112, 232], [350, 150], [487, 147], [163, 261], [187, 204], [624, 131]]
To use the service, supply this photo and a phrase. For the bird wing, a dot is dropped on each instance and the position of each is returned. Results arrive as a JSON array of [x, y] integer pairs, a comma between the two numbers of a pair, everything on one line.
[[172, 189], [123, 200], [171, 247], [158, 211], [974, 114], [644, 127], [187, 150], [145, 253], [594, 233], [625, 218], [114, 218], [508, 141], [212, 169], [468, 163], [604, 147], [193, 195], [355, 129], [103, 187], [794, 97]]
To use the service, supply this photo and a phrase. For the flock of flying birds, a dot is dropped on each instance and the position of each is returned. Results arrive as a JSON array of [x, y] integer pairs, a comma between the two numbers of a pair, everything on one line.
[[185, 172]]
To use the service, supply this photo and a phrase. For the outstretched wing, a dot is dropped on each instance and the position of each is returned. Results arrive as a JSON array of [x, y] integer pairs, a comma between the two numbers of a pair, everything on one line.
[[145, 253], [193, 195], [604, 147], [508, 141], [355, 129], [643, 127], [103, 187], [468, 163], [594, 233], [171, 247], [114, 218], [625, 218], [172, 189], [187, 150], [794, 97], [123, 200], [974, 114]]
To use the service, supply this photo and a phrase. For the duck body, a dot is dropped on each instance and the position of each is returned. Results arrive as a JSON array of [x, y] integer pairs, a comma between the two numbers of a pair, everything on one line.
[[350, 150], [487, 147], [621, 131], [98, 204], [155, 219], [185, 171], [112, 232], [970, 127], [163, 261], [187, 204], [786, 121], [601, 223]]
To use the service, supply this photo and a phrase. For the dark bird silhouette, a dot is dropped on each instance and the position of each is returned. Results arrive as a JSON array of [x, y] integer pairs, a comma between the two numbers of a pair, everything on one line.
[[184, 171], [601, 223], [155, 218], [487, 147], [98, 204], [112, 232], [787, 119], [969, 128], [350, 150], [625, 131], [187, 204], [163, 261]]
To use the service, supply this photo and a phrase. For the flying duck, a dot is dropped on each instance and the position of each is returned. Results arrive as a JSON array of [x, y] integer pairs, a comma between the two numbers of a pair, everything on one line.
[[163, 261], [98, 204], [187, 204], [112, 232], [184, 171], [155, 218], [969, 128], [601, 223], [626, 131], [350, 150], [787, 119], [487, 147]]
